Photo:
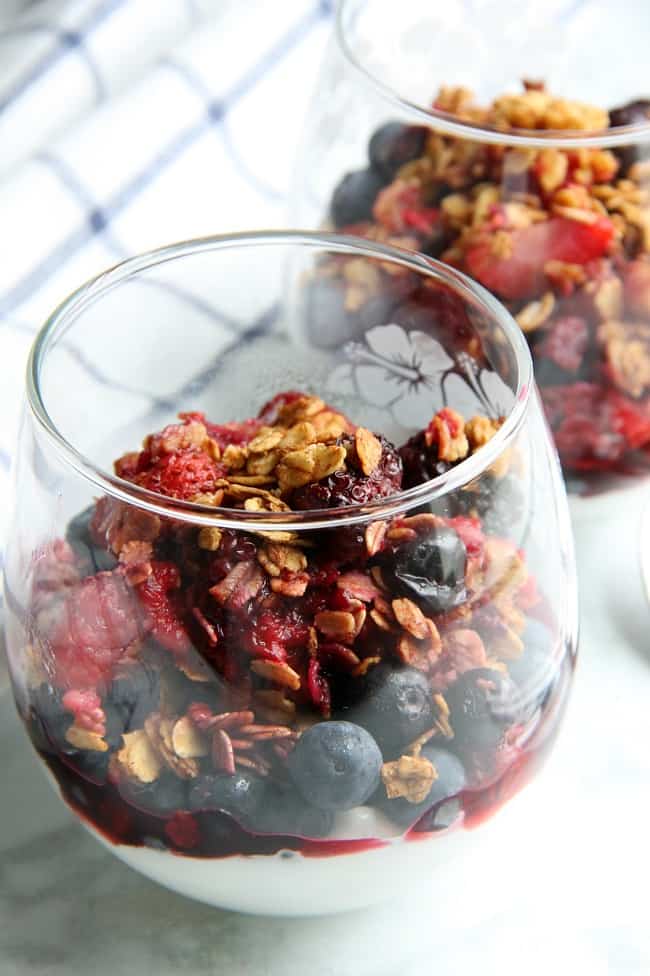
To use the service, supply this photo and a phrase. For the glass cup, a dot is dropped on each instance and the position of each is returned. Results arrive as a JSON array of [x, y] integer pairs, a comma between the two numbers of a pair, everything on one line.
[[264, 652], [431, 128]]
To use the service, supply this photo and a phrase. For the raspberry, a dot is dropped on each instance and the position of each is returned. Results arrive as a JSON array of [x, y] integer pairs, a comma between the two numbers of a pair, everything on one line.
[[164, 607], [86, 706], [566, 342], [352, 487], [181, 474], [95, 625]]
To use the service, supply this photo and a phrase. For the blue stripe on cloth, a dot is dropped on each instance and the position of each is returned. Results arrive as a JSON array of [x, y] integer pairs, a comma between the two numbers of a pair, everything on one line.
[[97, 218], [217, 117], [68, 40], [5, 460], [63, 251]]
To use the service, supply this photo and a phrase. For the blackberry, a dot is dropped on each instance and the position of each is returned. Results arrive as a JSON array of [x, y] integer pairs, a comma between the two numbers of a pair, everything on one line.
[[352, 486], [421, 462]]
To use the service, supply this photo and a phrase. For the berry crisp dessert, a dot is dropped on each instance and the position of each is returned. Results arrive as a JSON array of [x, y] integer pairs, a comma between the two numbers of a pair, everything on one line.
[[215, 691], [560, 236]]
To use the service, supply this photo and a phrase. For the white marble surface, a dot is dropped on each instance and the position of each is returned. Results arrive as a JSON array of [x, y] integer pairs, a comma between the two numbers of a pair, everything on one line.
[[569, 894]]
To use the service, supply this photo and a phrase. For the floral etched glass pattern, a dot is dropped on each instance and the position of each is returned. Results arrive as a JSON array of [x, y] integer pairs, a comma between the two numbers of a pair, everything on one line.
[[265, 596]]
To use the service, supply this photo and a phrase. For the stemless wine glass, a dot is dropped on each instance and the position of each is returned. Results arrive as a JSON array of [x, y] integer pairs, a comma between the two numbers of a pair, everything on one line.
[[432, 128], [266, 652]]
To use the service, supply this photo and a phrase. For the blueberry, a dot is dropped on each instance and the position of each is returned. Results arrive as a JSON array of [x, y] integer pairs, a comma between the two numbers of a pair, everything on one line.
[[162, 798], [354, 197], [135, 693], [397, 707], [93, 558], [88, 763], [534, 671], [395, 144], [430, 569], [450, 782], [50, 721], [335, 765], [481, 703], [241, 796], [285, 812], [633, 113]]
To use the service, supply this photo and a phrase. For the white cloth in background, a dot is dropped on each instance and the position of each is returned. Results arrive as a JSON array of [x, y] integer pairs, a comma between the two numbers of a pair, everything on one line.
[[127, 130]]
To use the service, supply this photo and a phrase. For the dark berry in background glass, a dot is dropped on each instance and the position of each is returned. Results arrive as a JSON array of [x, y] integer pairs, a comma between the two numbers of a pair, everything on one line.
[[394, 144], [479, 703], [335, 765], [396, 708], [241, 796], [450, 781], [430, 570], [633, 113], [355, 196]]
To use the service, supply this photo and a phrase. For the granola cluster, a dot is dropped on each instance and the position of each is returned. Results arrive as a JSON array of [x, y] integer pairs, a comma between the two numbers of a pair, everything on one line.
[[263, 680], [562, 237]]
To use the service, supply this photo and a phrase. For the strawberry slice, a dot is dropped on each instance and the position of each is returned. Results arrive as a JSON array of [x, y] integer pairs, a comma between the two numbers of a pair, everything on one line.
[[511, 262]]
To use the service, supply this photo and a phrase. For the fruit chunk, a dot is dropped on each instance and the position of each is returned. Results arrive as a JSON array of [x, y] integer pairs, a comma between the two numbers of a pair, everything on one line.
[[335, 765], [511, 263], [92, 629], [163, 607]]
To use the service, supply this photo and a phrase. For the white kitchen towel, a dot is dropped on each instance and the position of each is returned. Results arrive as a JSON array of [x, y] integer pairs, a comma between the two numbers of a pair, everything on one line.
[[194, 133]]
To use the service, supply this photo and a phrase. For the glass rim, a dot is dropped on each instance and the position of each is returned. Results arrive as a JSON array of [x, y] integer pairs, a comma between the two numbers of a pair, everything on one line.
[[449, 124], [461, 474]]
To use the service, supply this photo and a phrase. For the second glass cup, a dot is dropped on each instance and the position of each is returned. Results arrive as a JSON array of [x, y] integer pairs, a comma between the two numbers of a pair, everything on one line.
[[487, 134], [277, 610]]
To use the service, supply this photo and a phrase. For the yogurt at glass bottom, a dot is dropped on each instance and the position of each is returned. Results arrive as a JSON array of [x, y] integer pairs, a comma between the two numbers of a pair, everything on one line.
[[443, 868]]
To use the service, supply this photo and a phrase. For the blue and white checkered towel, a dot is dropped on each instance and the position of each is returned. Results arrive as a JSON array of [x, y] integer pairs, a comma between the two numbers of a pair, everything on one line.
[[126, 124]]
